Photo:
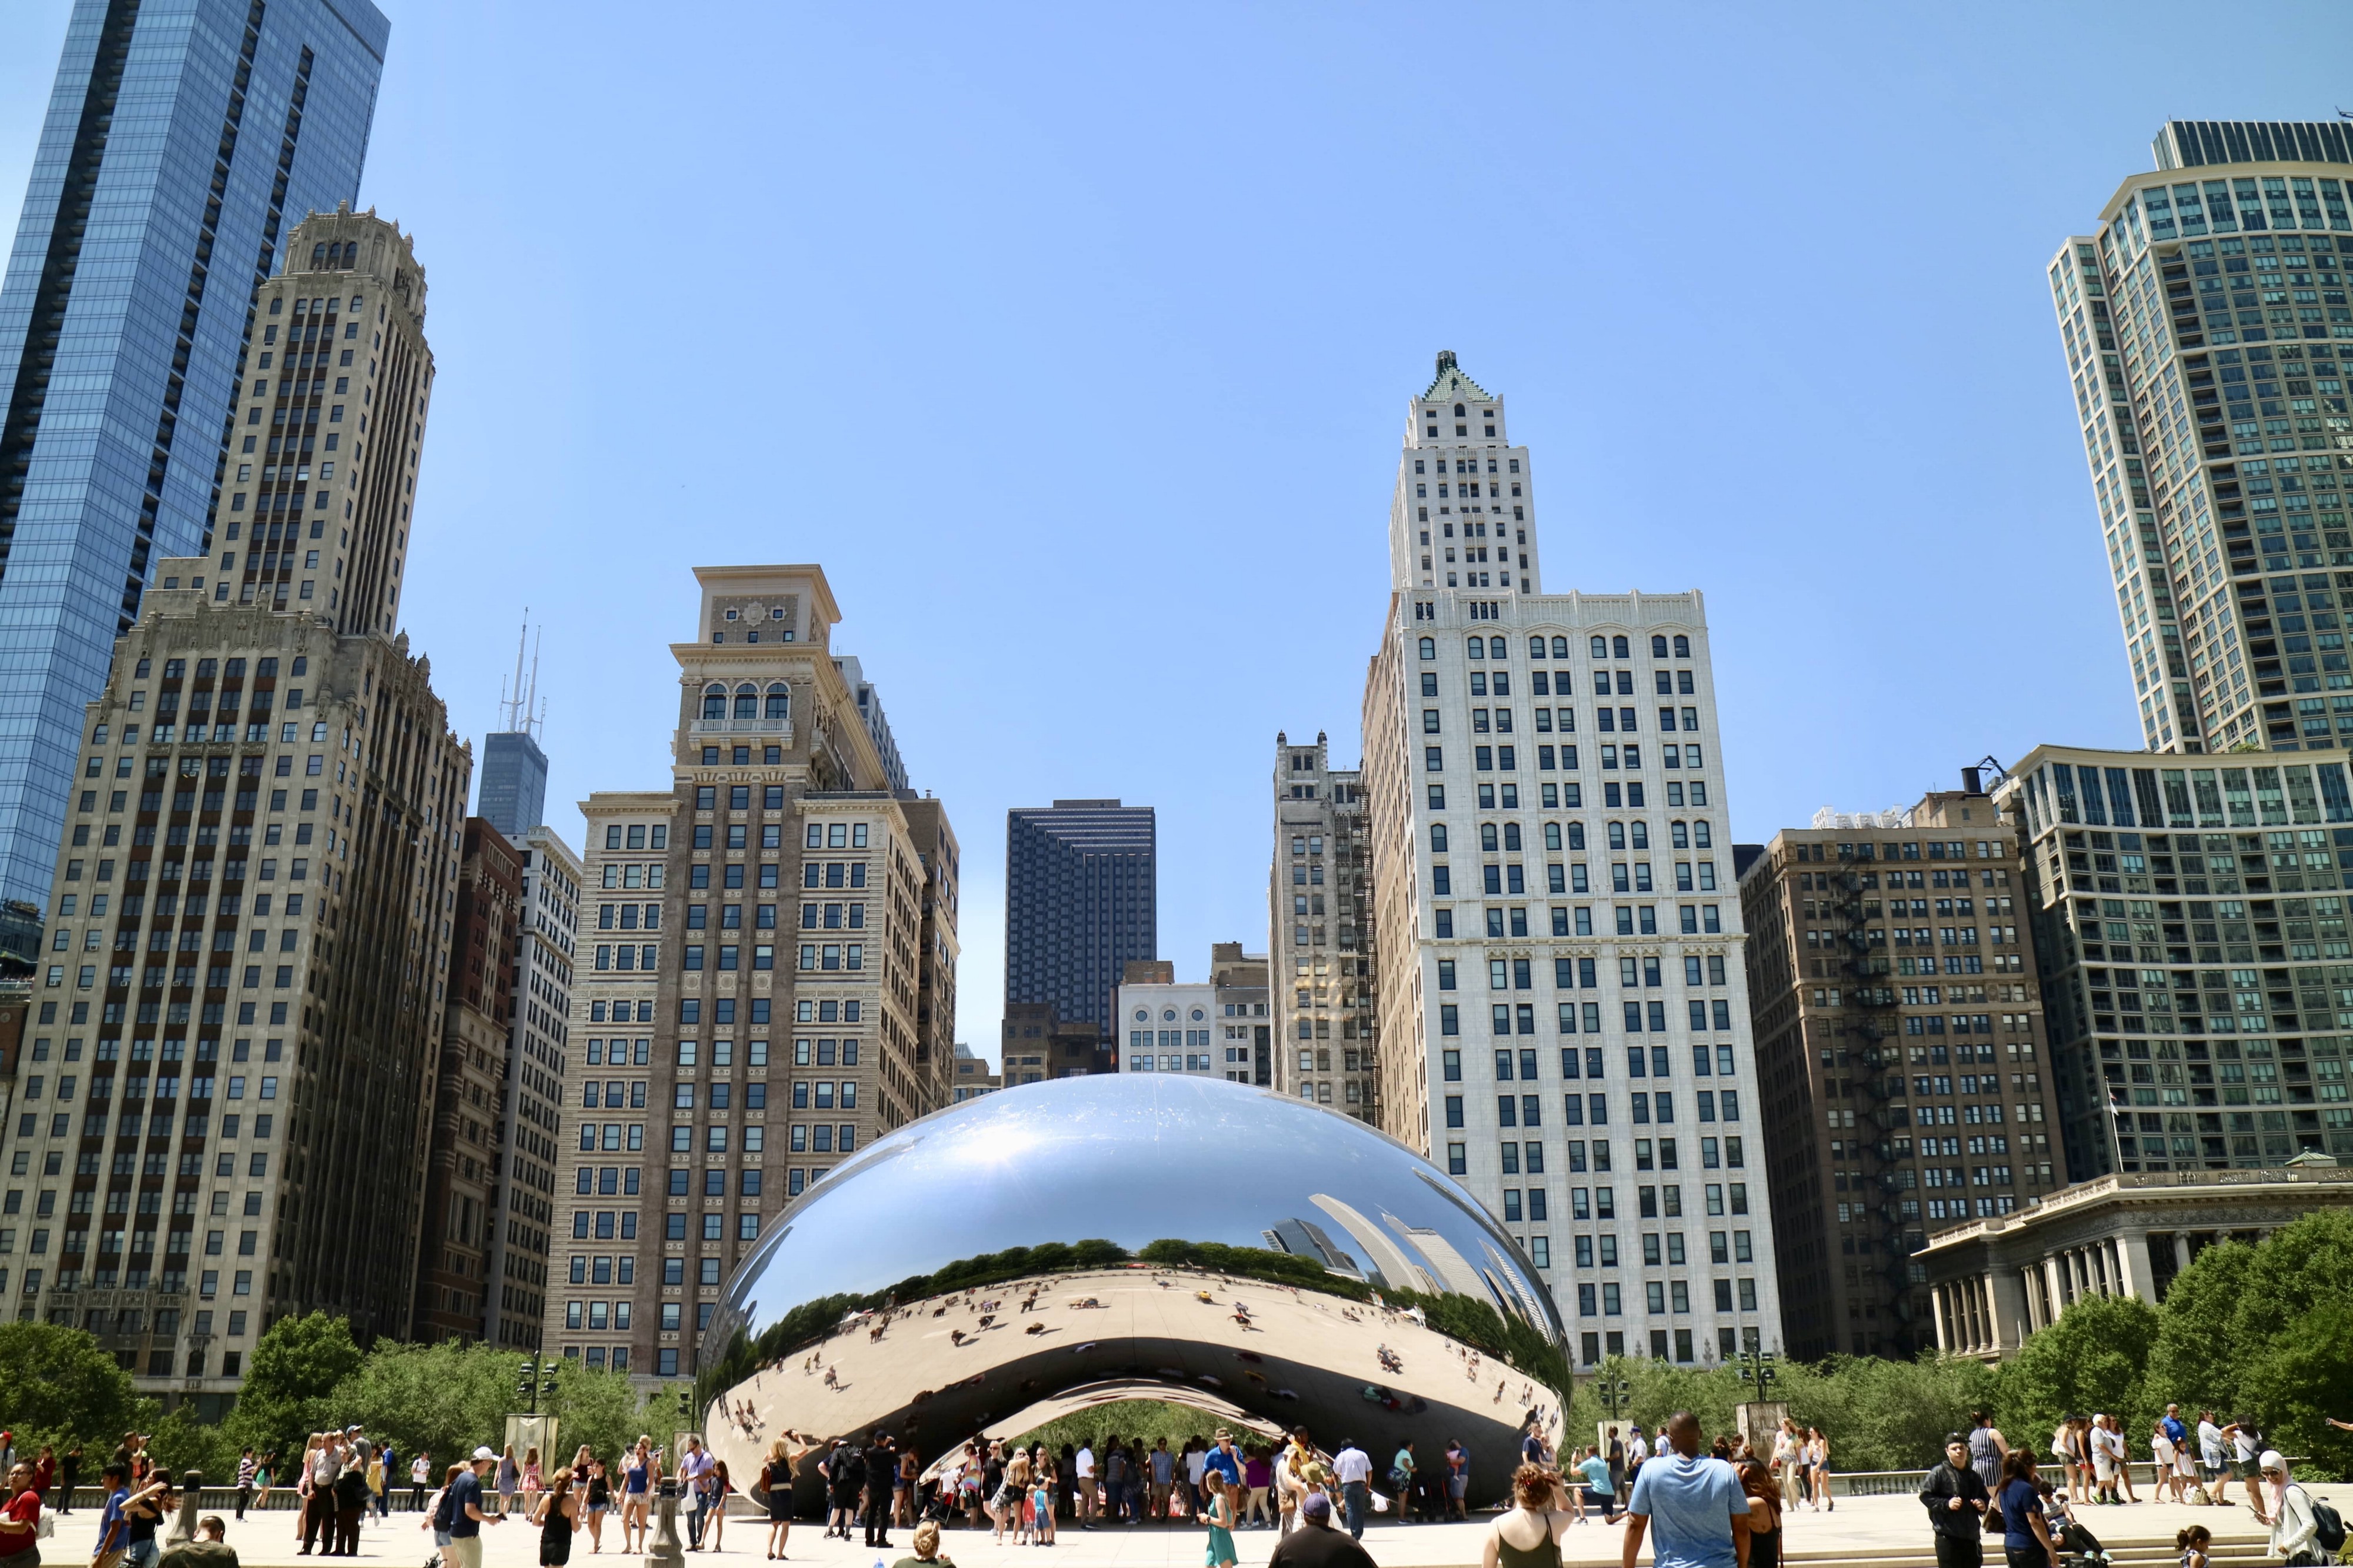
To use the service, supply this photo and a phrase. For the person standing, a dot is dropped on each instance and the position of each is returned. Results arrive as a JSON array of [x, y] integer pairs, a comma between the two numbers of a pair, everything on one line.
[[245, 1466], [68, 1475], [20, 1521], [420, 1476], [1082, 1469], [881, 1465], [465, 1514], [1955, 1497], [2210, 1471], [351, 1494], [2167, 1458], [1219, 1517], [1352, 1468], [1764, 1513], [558, 1518], [1691, 1508], [2295, 1526], [386, 1478], [693, 1464], [1817, 1468], [1458, 1481], [1637, 1450], [1401, 1481], [2025, 1532], [1987, 1449]]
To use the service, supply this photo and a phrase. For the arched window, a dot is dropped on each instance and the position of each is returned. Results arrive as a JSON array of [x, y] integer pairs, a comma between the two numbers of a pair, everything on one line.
[[318, 256], [747, 702], [1577, 835], [1658, 647], [1679, 835], [1701, 837], [1620, 647], [1535, 647], [714, 702], [1560, 648], [1601, 647], [1458, 411], [1682, 648], [780, 700], [1429, 647], [1478, 647]]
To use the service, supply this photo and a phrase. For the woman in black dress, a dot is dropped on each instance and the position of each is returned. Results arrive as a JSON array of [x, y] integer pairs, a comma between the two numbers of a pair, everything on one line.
[[558, 1518], [600, 1502]]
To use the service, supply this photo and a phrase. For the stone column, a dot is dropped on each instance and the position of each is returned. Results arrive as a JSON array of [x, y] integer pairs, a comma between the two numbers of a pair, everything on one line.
[[2139, 1274], [2051, 1266], [1943, 1307], [2181, 1251], [665, 1548], [183, 1523], [2008, 1299]]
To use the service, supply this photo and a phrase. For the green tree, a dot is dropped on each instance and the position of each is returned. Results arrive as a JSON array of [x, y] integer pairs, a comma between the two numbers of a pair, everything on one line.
[[56, 1385], [297, 1365], [2195, 1361], [2091, 1360]]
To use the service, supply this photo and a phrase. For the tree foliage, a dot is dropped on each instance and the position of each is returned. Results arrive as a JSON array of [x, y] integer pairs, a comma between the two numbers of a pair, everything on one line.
[[56, 1385], [2090, 1362]]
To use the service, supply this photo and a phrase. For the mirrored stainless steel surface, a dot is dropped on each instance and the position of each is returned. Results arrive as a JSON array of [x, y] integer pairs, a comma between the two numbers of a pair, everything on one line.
[[1030, 1251]]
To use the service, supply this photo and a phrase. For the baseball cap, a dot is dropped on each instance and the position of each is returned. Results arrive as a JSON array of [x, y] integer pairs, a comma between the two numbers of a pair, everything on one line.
[[484, 1454], [1316, 1506]]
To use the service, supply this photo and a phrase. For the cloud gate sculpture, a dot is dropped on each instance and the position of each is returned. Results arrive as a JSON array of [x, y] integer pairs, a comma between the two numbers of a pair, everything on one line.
[[1244, 1253]]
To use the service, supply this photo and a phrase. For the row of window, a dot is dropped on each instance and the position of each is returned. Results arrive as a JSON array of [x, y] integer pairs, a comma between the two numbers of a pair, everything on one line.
[[1507, 839], [1607, 721], [1600, 646], [1562, 759], [1632, 920], [1593, 1109], [1571, 795], [729, 956], [1661, 1298], [1638, 877]]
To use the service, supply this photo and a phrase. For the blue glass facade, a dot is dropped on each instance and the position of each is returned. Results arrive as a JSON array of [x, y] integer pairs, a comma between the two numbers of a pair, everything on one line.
[[512, 784], [184, 139]]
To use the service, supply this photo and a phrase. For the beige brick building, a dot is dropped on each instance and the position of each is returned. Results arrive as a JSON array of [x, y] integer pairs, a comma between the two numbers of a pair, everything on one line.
[[1321, 935], [764, 978]]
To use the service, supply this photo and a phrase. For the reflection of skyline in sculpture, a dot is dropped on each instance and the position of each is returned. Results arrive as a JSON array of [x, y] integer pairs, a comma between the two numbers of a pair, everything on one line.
[[1389, 1261], [928, 1287], [1305, 1238]]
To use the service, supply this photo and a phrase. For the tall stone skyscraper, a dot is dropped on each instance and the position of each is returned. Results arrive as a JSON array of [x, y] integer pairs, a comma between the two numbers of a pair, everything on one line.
[[1562, 1015], [2206, 324], [239, 1009], [1081, 902], [1319, 911], [767, 944], [189, 136]]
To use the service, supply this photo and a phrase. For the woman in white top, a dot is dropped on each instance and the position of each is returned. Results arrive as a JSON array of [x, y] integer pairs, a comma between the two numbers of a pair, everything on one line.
[[2120, 1455]]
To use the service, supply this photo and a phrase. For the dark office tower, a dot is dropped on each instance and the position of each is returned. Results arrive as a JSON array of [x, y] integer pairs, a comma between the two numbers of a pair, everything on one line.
[[190, 135], [1080, 902], [515, 782]]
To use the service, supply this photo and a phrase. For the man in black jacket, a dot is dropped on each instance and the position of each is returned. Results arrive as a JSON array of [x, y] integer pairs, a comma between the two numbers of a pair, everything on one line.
[[881, 1465], [1955, 1496]]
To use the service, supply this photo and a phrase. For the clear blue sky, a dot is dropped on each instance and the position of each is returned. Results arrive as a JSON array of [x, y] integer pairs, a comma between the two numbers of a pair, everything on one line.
[[1075, 343]]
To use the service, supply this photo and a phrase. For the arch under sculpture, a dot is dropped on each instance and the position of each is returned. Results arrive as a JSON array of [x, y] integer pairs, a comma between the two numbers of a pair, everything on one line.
[[1242, 1252]]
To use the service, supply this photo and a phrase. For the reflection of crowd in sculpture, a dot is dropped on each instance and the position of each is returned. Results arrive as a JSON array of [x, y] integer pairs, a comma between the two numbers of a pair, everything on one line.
[[1129, 1484]]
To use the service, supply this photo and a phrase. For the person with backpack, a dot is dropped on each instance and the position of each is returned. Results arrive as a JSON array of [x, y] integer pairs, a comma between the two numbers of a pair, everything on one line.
[[2305, 1529]]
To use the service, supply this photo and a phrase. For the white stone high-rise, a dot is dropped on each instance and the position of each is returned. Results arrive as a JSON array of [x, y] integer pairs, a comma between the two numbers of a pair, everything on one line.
[[1563, 1022]]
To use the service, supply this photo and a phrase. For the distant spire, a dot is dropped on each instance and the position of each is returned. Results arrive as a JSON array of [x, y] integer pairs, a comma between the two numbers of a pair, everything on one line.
[[519, 704], [1445, 361]]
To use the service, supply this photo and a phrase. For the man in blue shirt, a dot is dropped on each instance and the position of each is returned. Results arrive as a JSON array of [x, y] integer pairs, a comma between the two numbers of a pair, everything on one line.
[[1691, 1508], [466, 1516], [1224, 1460], [114, 1530], [2174, 1428]]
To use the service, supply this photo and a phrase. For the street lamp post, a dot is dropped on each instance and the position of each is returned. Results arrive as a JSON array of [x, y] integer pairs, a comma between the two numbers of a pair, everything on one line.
[[1756, 1369], [537, 1378]]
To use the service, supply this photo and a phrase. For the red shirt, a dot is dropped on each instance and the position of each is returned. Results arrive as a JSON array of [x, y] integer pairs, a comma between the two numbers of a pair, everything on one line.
[[17, 1519]]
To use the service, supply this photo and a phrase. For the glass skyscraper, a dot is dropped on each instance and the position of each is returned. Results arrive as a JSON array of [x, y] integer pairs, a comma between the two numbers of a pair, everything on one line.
[[1081, 901], [2209, 339], [184, 139]]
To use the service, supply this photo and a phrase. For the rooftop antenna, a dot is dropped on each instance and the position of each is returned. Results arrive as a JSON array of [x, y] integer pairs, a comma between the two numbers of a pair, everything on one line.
[[511, 698], [534, 726]]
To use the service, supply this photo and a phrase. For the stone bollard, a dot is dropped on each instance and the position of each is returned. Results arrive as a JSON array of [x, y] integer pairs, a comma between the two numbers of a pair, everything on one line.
[[665, 1549], [183, 1523]]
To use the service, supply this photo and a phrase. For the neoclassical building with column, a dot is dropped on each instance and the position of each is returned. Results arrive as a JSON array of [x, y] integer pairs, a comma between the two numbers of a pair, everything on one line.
[[1994, 1281]]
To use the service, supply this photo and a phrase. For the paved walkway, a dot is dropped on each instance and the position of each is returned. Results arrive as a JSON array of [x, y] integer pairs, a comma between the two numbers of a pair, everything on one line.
[[1859, 1527]]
